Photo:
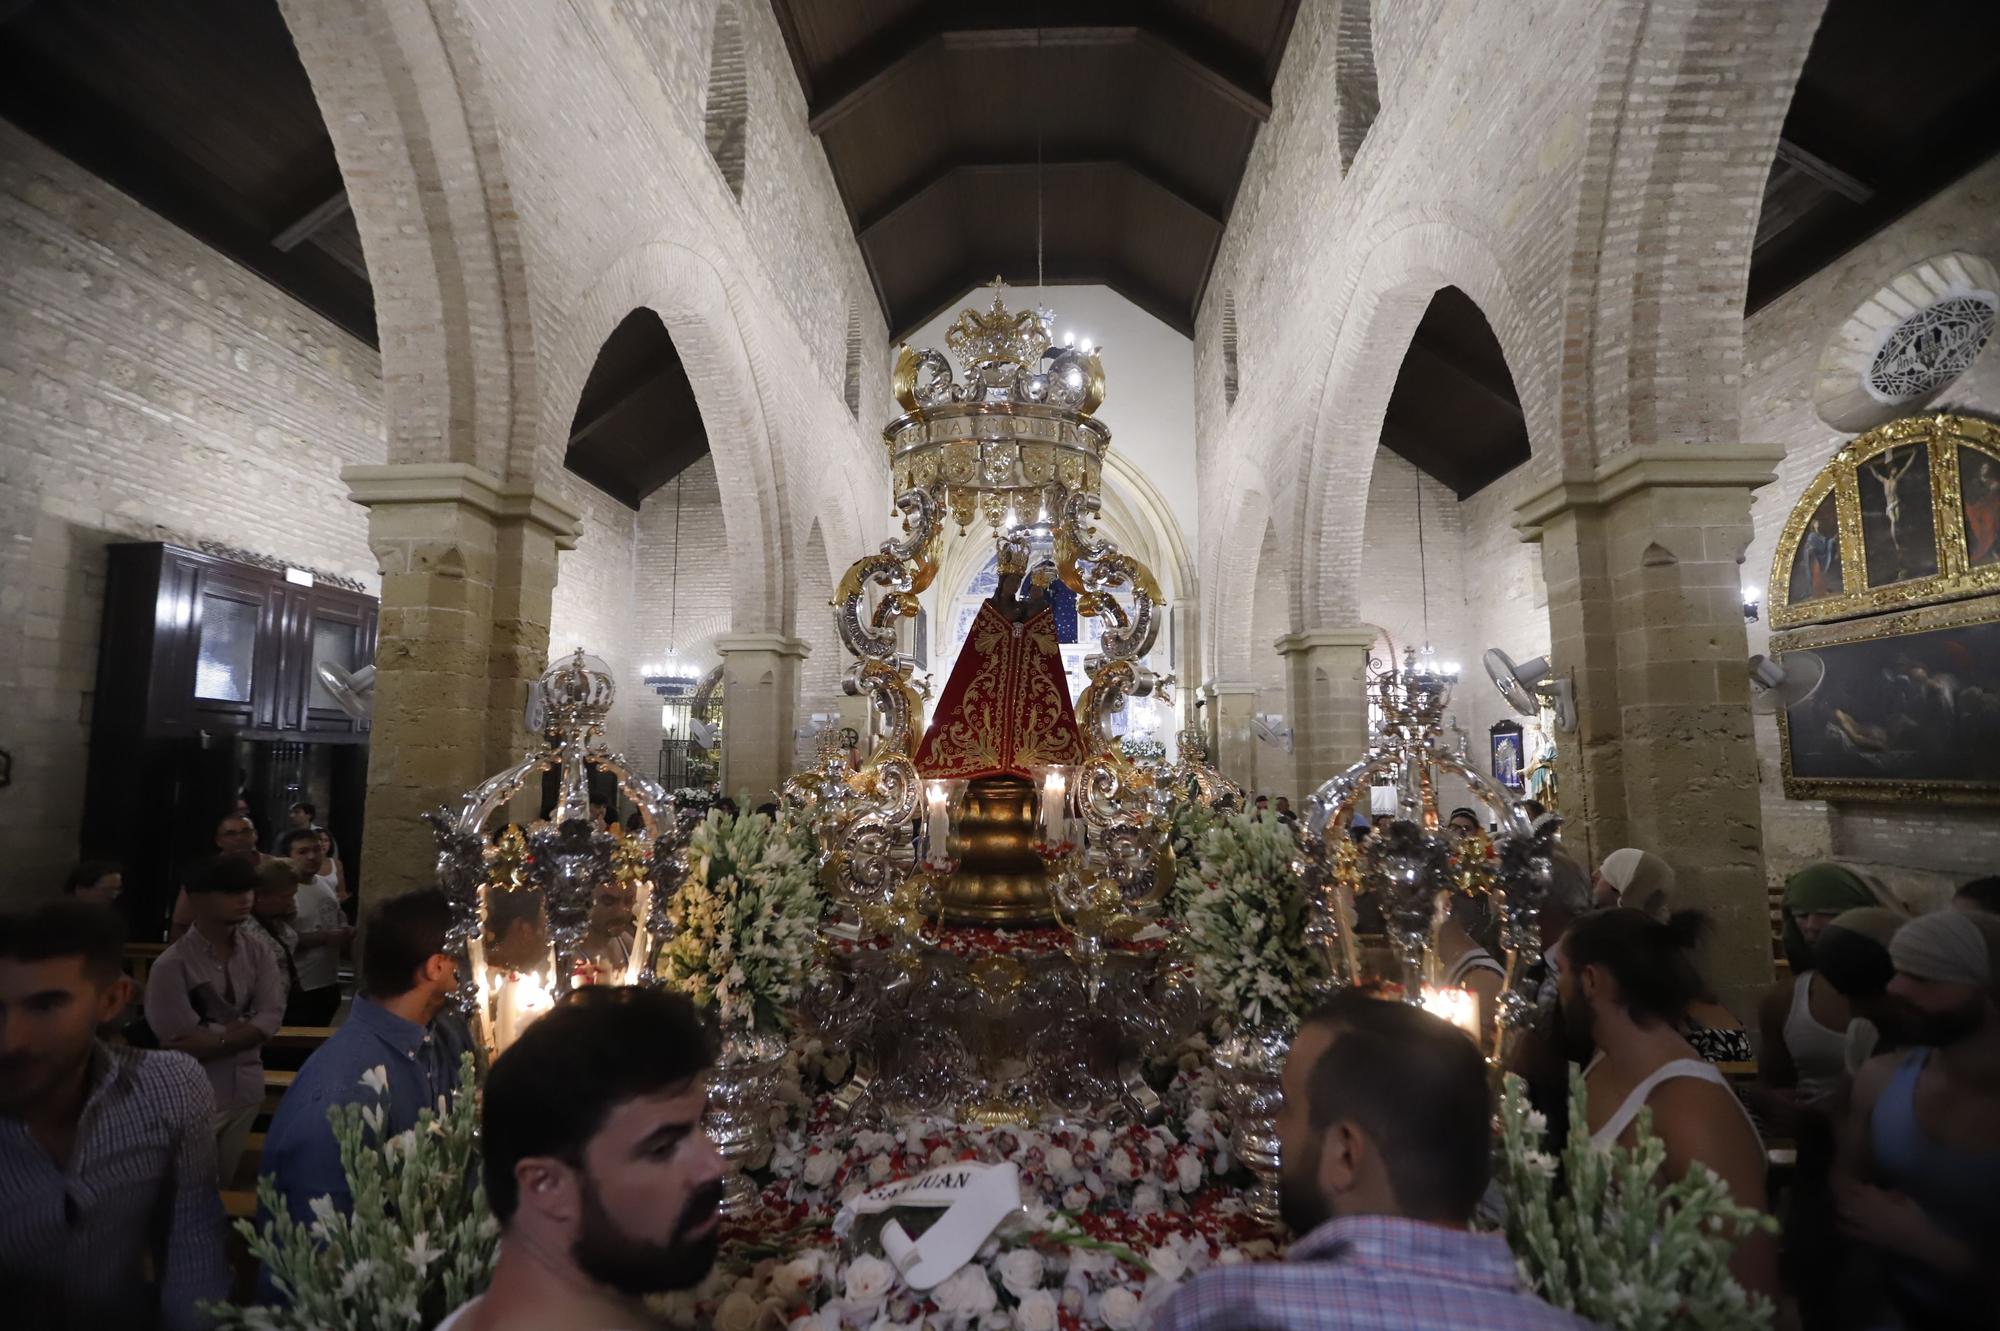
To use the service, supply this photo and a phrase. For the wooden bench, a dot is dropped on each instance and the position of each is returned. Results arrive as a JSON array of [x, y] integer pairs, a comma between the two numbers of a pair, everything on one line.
[[303, 1039]]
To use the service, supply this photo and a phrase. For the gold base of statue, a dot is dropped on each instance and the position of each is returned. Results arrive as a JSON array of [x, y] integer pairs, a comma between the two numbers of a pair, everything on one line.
[[1000, 878]]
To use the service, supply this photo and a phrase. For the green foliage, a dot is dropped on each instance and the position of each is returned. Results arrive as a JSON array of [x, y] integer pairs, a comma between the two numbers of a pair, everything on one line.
[[1619, 1245], [744, 920], [418, 1242], [1245, 912]]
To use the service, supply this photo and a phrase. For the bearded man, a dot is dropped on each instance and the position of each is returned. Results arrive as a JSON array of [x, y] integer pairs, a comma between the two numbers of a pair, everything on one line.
[[596, 1166]]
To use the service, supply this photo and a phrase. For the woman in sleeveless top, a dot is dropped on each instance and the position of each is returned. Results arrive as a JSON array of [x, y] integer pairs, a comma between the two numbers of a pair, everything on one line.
[[1625, 982], [1805, 1020]]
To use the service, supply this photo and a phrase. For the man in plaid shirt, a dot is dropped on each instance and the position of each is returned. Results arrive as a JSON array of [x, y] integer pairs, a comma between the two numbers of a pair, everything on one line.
[[1386, 1135], [107, 1160]]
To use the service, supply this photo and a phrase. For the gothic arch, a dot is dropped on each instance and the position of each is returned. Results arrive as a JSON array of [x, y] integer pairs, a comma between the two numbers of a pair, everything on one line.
[[688, 293], [725, 109], [1679, 143], [1393, 286], [402, 93]]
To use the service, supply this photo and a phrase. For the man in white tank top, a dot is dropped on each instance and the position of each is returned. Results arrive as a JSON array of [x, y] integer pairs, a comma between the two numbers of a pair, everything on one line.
[[1624, 983]]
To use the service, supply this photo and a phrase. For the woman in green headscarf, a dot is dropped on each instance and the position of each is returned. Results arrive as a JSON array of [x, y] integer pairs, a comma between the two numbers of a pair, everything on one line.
[[1804, 1020]]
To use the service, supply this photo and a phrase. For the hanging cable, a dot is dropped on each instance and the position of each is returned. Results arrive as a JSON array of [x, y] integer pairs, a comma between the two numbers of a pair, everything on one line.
[[1423, 567], [1036, 84]]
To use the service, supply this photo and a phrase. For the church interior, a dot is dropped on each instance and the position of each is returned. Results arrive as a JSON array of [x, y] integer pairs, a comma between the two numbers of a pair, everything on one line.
[[964, 428]]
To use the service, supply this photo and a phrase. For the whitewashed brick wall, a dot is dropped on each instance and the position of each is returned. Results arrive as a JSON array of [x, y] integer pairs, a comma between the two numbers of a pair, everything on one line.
[[149, 390], [1918, 848]]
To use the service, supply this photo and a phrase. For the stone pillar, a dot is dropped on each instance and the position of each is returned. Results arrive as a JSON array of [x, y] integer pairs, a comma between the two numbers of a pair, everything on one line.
[[1326, 687], [760, 700], [1232, 738], [1643, 562], [468, 568]]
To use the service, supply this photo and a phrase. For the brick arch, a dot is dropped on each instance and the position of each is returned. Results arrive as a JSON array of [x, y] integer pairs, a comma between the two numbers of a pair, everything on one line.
[[1391, 286], [403, 97], [1228, 582], [1690, 97], [699, 309]]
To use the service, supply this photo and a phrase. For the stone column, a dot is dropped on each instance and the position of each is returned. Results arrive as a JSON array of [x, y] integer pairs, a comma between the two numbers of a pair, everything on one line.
[[1643, 562], [760, 700], [468, 569], [1232, 739], [1326, 687]]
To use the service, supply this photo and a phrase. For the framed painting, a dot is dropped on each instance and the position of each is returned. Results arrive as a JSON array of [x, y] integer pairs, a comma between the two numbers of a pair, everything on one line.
[[1908, 708], [1510, 763]]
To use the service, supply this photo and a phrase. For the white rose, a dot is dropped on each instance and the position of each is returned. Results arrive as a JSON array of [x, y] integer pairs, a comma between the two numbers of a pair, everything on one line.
[[795, 1277], [1229, 1257], [940, 1155], [1122, 1166], [738, 1312], [1038, 1312], [1166, 1264], [1060, 1164], [1119, 1308], [1187, 1172], [1020, 1271], [878, 1169], [808, 1322], [820, 1167], [868, 1280], [1076, 1199], [1101, 1139], [1147, 1199], [966, 1293]]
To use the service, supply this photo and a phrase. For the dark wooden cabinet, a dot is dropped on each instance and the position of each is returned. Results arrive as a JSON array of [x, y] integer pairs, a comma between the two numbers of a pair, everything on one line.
[[197, 644], [206, 693]]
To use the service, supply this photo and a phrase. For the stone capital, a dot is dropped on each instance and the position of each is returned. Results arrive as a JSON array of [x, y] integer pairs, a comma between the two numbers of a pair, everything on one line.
[[778, 644], [1743, 467], [377, 486], [1356, 637], [1219, 689]]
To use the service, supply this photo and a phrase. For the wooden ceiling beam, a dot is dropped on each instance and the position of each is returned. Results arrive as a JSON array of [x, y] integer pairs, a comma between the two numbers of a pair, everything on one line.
[[916, 191], [1849, 187], [841, 89], [313, 220]]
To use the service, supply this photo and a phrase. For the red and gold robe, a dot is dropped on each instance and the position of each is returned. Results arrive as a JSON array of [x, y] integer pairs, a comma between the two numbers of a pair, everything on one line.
[[1006, 708]]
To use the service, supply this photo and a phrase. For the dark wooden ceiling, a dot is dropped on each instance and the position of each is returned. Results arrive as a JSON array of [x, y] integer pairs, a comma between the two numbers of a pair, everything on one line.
[[636, 425], [1454, 412], [930, 114], [933, 116], [200, 110], [1896, 101]]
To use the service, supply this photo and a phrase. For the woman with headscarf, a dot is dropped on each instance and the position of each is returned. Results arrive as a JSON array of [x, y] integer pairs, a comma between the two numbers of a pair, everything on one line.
[[1805, 1020], [1636, 878]]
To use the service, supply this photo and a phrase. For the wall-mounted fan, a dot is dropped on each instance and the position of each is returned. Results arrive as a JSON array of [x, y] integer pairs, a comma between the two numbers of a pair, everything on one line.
[[1776, 687], [352, 690], [1272, 730], [703, 734], [1531, 685]]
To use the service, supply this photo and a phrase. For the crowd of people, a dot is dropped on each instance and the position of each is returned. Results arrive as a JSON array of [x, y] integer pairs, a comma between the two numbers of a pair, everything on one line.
[[1879, 1057]]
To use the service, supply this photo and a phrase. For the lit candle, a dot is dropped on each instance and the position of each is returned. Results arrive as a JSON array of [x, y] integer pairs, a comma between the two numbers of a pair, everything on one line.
[[1460, 1007], [938, 829], [1055, 807], [519, 999]]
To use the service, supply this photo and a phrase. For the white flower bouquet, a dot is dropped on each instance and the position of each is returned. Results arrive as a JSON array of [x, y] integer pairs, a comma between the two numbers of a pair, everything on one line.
[[1245, 911], [417, 1243], [744, 920], [1617, 1245]]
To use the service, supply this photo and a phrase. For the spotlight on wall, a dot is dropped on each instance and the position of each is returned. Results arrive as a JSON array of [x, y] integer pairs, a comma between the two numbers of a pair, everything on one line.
[[1531, 685], [1753, 597]]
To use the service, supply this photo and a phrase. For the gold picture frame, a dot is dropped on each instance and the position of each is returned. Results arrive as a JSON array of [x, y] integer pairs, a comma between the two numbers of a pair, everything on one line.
[[1863, 492], [1914, 667]]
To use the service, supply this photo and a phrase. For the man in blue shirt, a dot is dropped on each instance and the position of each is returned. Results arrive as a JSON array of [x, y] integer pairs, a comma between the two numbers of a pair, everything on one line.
[[394, 1027]]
